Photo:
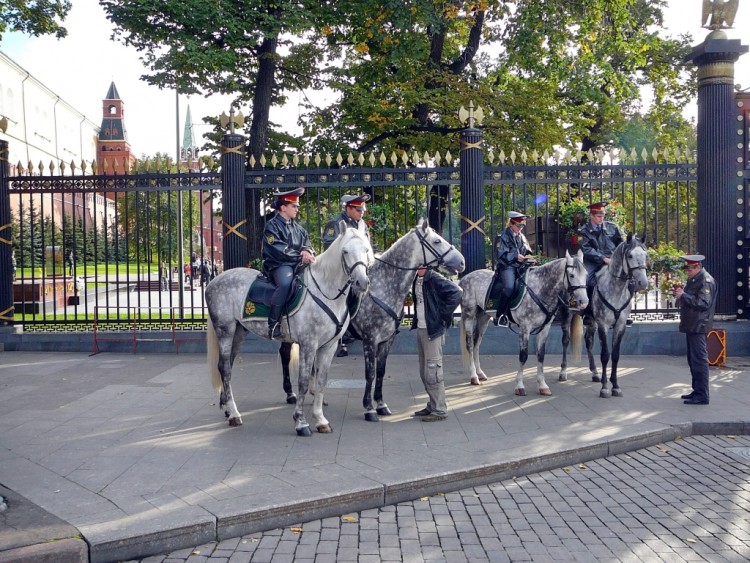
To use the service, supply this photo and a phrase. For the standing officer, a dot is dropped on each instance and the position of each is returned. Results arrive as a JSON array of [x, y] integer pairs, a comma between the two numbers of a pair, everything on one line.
[[286, 245], [697, 302], [511, 251], [353, 213]]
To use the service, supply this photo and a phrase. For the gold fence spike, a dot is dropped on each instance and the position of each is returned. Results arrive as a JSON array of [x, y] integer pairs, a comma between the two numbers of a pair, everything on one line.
[[382, 158], [394, 158], [490, 156], [644, 154], [437, 158], [545, 156], [513, 156], [295, 160], [328, 159], [262, 161], [655, 155], [317, 160], [252, 161], [448, 157], [62, 167], [284, 160], [361, 159], [501, 157], [534, 156], [51, 168], [72, 167], [306, 161], [426, 158], [404, 158], [350, 159], [274, 160], [339, 158]]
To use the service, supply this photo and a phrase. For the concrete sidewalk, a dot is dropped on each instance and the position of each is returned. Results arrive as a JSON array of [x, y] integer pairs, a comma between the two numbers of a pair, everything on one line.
[[131, 455]]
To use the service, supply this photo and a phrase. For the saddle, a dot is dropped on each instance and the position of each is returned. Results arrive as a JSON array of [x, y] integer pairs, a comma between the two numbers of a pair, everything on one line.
[[496, 288], [258, 300]]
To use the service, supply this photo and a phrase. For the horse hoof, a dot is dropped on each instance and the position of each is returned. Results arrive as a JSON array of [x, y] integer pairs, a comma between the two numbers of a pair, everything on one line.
[[384, 411], [596, 379], [605, 394], [291, 399], [304, 431], [324, 428], [563, 377], [546, 391], [617, 392], [371, 417], [520, 392], [474, 380], [235, 422], [482, 377]]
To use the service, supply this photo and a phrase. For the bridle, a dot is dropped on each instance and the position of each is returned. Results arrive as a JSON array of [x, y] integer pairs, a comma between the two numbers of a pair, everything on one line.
[[568, 268], [628, 270], [435, 261], [348, 270]]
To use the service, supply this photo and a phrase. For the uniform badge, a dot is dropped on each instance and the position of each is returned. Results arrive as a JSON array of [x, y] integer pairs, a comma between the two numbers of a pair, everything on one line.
[[269, 239], [330, 232], [707, 290]]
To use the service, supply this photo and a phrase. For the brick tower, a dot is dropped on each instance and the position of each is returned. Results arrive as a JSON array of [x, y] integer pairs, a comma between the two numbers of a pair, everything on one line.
[[113, 154]]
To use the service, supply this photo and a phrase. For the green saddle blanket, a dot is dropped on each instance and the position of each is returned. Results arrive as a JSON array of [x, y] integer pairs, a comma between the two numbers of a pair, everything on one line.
[[256, 305], [490, 300]]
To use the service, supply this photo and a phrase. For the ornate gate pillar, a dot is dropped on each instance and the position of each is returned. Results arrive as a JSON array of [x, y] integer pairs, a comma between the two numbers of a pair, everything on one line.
[[234, 218], [472, 191], [719, 175], [6, 240]]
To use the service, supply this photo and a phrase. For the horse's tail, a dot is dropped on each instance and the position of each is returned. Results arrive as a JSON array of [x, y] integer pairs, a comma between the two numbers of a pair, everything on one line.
[[212, 355], [462, 344], [576, 336], [294, 360]]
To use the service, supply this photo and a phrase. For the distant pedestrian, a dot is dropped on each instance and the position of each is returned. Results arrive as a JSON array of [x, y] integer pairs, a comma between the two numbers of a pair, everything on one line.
[[13, 265], [697, 302], [71, 264], [435, 300], [163, 276]]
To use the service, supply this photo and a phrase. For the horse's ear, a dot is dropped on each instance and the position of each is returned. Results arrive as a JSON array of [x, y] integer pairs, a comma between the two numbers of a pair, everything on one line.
[[579, 255], [630, 238], [422, 224], [567, 253], [342, 227]]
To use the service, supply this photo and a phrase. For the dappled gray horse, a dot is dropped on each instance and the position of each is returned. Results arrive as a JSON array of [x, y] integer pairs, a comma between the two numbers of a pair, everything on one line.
[[534, 312], [316, 324], [379, 317], [611, 302]]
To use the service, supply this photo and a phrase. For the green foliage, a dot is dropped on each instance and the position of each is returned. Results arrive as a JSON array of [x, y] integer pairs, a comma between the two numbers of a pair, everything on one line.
[[574, 213], [664, 259], [36, 18]]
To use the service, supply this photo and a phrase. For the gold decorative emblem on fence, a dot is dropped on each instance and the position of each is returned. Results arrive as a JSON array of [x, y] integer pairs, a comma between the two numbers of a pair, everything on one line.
[[232, 229], [3, 239], [472, 225]]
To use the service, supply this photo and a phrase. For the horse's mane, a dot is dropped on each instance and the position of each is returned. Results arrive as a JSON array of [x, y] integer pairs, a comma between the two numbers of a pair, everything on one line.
[[395, 247], [328, 263]]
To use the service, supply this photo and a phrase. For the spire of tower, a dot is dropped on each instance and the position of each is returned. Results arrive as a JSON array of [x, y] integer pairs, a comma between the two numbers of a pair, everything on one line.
[[188, 135]]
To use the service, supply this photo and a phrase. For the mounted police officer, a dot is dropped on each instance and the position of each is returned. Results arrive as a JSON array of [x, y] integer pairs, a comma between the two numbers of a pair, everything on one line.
[[511, 252], [286, 245], [353, 213], [697, 302], [598, 239]]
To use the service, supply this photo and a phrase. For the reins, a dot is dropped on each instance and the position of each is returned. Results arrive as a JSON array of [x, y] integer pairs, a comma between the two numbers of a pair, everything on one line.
[[624, 275]]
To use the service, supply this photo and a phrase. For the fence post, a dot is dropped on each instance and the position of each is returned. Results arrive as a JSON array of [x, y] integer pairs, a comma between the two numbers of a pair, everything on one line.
[[472, 191], [234, 218], [6, 241], [718, 181]]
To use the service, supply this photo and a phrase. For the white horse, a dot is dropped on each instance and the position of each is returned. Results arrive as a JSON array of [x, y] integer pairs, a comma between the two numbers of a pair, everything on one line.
[[534, 313], [316, 325]]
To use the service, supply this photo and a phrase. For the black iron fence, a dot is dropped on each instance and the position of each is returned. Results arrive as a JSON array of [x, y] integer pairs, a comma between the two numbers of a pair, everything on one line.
[[93, 249]]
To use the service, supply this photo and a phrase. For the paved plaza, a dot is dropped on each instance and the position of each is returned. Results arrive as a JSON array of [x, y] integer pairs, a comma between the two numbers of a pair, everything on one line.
[[128, 456]]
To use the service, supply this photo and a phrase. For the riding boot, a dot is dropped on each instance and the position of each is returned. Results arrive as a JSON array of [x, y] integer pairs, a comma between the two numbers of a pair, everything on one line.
[[501, 315], [274, 327]]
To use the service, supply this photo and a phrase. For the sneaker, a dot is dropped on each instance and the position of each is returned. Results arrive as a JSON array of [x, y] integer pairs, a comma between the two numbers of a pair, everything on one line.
[[434, 417], [424, 412]]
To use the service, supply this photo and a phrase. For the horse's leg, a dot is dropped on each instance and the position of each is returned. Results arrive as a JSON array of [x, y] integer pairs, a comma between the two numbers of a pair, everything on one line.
[[482, 320], [589, 339], [382, 360], [368, 348], [565, 325], [541, 346], [285, 352], [229, 344], [604, 392], [306, 364], [468, 345], [523, 355], [619, 332], [324, 357]]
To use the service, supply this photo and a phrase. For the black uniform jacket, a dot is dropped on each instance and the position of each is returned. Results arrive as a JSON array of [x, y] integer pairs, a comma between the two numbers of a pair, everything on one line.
[[697, 303], [441, 297], [332, 228], [283, 243], [597, 245], [507, 249]]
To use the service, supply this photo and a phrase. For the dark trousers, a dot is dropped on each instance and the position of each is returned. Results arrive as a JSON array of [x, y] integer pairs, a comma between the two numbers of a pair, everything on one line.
[[282, 278], [697, 357], [507, 280]]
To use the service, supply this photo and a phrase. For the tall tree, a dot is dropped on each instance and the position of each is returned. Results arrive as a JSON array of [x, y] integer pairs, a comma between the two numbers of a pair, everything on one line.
[[34, 18]]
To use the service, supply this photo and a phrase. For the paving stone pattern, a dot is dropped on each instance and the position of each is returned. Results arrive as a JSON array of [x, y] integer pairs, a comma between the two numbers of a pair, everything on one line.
[[687, 500]]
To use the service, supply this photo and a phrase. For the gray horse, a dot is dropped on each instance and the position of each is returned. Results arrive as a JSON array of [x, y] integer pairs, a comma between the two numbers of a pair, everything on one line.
[[534, 313], [315, 325], [379, 316], [611, 302]]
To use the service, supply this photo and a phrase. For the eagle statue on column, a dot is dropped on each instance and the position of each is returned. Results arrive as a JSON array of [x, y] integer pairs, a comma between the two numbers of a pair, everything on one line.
[[721, 13]]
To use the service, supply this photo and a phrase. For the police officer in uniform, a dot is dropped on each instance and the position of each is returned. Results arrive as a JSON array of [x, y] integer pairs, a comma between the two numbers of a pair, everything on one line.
[[697, 302], [598, 239], [511, 252], [286, 245], [353, 213]]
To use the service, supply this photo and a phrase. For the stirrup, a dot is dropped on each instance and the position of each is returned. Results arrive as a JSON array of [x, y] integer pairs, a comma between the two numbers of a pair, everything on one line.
[[274, 331], [502, 320]]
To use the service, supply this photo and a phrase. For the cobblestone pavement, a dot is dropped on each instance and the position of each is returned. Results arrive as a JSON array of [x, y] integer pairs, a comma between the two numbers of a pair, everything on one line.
[[687, 500]]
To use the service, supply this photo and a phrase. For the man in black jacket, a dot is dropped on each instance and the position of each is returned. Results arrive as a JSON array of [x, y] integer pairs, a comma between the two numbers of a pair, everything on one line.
[[286, 245], [511, 252], [435, 300], [697, 302]]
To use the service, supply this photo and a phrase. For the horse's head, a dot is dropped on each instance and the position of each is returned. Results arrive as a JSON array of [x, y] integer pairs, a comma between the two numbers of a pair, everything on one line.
[[575, 279], [438, 252], [356, 258], [634, 262]]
